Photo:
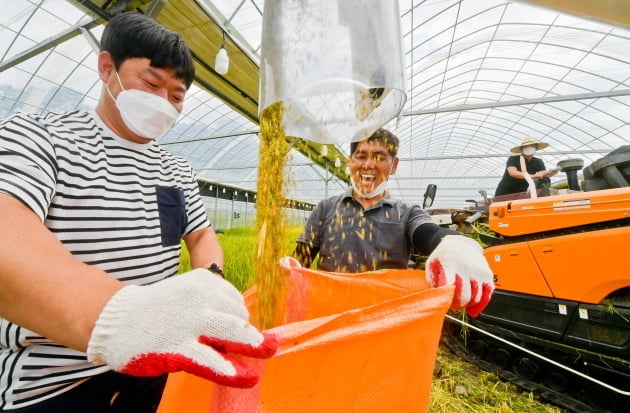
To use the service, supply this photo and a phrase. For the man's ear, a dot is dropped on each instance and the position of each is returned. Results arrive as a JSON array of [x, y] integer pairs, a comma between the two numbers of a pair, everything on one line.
[[394, 166], [105, 66]]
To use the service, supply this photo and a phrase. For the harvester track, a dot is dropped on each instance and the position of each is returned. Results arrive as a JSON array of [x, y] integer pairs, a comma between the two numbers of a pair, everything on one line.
[[502, 359]]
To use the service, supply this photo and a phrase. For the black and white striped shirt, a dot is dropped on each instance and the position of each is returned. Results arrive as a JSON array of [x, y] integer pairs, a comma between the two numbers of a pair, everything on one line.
[[120, 206]]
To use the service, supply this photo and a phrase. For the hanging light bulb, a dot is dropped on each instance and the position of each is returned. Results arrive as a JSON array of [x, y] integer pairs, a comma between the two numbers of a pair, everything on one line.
[[324, 150], [337, 162], [222, 61]]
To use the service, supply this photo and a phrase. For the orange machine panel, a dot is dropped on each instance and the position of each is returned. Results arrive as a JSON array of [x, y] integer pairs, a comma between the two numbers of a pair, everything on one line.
[[529, 216], [585, 266], [515, 269]]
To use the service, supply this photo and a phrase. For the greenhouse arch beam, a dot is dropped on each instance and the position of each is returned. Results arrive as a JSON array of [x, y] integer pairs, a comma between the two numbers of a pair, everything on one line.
[[49, 44], [524, 102]]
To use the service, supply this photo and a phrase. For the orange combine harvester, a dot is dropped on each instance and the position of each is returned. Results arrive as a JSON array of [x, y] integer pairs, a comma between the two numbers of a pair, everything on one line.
[[559, 321]]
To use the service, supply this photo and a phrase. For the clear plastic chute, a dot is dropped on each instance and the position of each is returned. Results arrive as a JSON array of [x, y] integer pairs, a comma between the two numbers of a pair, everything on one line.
[[336, 65]]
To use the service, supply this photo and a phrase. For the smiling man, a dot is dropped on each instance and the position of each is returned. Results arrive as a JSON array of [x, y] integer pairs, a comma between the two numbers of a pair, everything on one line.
[[366, 229]]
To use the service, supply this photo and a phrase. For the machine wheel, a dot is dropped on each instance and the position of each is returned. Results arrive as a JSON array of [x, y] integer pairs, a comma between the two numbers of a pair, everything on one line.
[[526, 368], [556, 381], [600, 399], [500, 358]]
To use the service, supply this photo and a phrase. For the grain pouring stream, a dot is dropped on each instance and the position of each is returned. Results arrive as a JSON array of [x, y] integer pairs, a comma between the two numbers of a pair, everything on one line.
[[270, 201]]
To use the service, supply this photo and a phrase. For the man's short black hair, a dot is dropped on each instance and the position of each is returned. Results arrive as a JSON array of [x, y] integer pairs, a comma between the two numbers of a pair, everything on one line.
[[389, 139], [132, 34]]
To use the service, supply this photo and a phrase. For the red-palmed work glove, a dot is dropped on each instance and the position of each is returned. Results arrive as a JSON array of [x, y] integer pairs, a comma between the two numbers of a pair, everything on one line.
[[195, 322], [459, 260]]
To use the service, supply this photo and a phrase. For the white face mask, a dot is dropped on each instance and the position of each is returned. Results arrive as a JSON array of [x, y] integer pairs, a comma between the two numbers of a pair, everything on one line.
[[382, 187], [144, 113], [530, 150]]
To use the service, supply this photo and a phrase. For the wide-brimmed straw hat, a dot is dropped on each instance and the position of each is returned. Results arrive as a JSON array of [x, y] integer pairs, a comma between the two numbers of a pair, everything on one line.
[[528, 140]]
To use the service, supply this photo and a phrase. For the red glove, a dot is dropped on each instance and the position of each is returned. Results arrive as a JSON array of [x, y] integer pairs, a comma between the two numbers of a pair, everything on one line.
[[189, 322], [459, 260]]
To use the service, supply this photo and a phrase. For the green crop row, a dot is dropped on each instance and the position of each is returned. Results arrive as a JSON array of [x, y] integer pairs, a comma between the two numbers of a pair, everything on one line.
[[238, 249]]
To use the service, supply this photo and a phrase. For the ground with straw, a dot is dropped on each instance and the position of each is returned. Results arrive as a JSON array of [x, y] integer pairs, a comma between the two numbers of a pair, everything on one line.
[[460, 387]]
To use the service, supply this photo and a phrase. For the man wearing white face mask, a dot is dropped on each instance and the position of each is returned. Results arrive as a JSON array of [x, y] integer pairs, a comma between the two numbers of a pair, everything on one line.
[[366, 229], [92, 314], [145, 114], [514, 180]]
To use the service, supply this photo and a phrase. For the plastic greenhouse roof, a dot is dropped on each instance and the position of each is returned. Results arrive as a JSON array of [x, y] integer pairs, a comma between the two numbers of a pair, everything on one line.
[[481, 75]]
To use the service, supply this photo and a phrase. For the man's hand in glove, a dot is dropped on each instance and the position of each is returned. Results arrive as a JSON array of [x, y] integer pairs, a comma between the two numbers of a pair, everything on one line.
[[191, 322], [459, 260]]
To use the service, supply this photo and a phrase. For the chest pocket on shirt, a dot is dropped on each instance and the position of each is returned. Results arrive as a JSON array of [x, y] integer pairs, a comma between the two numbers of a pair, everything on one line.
[[172, 210]]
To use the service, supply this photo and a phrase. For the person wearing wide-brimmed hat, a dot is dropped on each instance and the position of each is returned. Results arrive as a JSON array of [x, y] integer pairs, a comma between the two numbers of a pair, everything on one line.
[[514, 180]]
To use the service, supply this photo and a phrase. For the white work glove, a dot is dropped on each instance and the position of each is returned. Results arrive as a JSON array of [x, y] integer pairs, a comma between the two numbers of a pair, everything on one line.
[[190, 322], [459, 260]]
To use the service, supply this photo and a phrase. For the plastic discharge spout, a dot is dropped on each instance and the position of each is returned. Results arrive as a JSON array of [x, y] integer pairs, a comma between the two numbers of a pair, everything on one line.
[[337, 66]]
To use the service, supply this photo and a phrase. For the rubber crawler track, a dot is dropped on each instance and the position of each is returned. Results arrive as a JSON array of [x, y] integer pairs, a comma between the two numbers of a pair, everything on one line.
[[571, 402]]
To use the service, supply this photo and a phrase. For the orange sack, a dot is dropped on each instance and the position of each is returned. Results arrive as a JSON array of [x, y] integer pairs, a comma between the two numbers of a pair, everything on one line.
[[349, 343]]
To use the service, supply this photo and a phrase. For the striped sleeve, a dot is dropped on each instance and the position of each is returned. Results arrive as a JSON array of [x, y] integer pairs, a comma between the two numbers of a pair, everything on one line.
[[28, 170]]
